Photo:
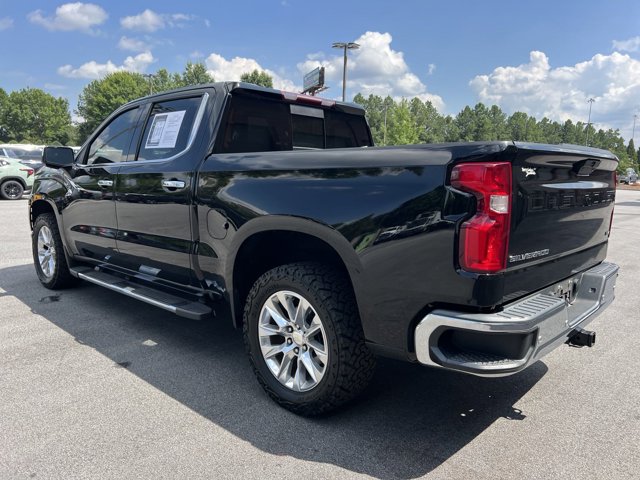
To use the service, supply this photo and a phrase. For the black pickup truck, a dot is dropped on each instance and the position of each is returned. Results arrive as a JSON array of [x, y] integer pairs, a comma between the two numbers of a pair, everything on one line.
[[275, 210]]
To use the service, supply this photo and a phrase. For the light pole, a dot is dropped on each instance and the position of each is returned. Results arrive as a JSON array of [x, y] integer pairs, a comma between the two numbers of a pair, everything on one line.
[[150, 77], [591, 100], [633, 131], [345, 46]]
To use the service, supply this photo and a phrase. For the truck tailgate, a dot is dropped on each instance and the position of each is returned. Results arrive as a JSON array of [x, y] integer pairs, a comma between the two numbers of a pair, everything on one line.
[[563, 200]]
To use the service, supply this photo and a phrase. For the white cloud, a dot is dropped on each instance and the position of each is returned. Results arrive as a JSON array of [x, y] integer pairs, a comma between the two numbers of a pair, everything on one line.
[[132, 44], [94, 70], [231, 70], [147, 21], [629, 45], [196, 54], [71, 16], [431, 69], [375, 68], [6, 23], [561, 93], [150, 21]]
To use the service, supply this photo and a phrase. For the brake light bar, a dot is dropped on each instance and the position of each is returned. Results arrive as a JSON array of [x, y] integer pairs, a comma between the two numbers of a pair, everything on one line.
[[484, 238], [299, 98]]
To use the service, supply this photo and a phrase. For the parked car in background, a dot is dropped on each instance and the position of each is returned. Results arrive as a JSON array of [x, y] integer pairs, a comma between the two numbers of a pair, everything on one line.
[[628, 178], [28, 155], [15, 178]]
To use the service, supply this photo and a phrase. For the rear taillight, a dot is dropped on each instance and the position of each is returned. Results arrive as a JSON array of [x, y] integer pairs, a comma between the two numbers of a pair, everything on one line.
[[28, 170], [484, 238]]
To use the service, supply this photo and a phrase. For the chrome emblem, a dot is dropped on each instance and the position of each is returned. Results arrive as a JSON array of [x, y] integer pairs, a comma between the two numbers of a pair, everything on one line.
[[528, 256], [529, 172]]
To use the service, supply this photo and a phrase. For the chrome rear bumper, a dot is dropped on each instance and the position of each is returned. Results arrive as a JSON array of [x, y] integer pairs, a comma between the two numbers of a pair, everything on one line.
[[507, 341]]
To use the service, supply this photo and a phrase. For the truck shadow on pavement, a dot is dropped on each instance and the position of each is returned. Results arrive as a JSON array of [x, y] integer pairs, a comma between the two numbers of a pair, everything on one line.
[[409, 421]]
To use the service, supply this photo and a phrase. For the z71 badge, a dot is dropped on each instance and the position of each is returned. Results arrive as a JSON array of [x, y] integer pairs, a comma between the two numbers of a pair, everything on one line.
[[528, 172]]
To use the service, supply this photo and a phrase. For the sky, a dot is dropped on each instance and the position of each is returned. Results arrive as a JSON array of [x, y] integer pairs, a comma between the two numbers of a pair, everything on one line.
[[545, 58]]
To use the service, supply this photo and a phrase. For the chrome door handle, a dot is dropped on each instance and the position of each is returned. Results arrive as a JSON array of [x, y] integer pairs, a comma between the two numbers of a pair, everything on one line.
[[173, 184], [105, 183]]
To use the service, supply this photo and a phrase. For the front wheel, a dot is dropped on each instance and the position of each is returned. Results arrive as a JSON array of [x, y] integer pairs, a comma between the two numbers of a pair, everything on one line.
[[48, 255], [303, 335], [11, 190]]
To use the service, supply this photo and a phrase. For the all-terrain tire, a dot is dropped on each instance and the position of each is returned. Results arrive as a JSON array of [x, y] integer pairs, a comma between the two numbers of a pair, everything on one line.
[[350, 364]]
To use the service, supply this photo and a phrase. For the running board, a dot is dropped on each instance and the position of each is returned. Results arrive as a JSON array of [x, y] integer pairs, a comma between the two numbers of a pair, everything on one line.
[[172, 303]]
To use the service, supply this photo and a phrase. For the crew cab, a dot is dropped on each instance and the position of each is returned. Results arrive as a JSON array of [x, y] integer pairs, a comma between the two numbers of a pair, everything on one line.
[[275, 211]]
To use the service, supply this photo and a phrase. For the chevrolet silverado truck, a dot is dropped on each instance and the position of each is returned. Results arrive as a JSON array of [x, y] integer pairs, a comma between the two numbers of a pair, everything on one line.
[[275, 211]]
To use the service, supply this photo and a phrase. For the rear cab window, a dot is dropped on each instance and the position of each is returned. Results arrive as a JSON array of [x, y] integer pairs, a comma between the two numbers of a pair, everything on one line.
[[255, 124]]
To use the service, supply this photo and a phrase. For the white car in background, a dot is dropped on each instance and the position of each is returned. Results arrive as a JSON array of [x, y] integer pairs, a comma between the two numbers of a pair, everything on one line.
[[16, 179]]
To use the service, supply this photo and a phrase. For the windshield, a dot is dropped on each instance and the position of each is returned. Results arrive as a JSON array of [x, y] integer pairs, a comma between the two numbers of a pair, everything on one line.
[[10, 153]]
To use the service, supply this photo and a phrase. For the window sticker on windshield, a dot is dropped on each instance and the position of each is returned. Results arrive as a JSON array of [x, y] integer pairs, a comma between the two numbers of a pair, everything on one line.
[[164, 130]]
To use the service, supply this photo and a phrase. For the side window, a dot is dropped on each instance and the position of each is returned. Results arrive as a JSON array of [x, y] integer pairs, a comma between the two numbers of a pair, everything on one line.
[[112, 145], [345, 130], [256, 125], [168, 128]]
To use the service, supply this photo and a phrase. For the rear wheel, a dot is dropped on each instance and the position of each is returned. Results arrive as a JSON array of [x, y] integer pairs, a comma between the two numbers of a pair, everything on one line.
[[304, 338], [11, 190], [48, 254]]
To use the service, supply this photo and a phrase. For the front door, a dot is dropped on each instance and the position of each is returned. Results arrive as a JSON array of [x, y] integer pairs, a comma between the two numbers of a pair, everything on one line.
[[90, 224], [154, 191]]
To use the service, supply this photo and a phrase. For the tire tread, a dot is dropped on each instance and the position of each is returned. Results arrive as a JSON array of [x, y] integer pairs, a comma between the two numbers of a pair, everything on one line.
[[356, 363]]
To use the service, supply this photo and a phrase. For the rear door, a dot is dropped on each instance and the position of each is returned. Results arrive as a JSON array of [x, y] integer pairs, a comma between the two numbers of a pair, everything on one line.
[[154, 190], [90, 224]]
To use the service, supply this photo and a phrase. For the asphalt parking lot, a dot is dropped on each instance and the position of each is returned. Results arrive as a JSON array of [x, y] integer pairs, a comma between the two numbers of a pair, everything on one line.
[[96, 385]]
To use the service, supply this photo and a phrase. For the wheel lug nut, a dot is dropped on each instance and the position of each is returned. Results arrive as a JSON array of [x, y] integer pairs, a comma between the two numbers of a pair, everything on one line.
[[289, 329], [296, 350], [305, 348], [289, 341]]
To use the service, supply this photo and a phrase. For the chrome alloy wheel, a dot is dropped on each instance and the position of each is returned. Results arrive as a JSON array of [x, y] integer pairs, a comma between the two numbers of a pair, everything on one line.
[[46, 251], [293, 341]]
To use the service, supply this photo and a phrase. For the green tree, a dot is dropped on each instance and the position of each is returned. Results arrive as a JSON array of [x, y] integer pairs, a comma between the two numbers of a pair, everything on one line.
[[429, 122], [499, 120], [631, 151], [195, 74], [101, 97], [517, 126], [257, 78], [466, 123], [4, 98], [402, 129], [31, 115], [162, 80], [377, 111]]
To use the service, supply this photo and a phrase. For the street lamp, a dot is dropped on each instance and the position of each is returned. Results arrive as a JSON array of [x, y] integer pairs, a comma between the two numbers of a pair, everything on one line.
[[345, 46], [150, 77], [591, 100], [633, 132]]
